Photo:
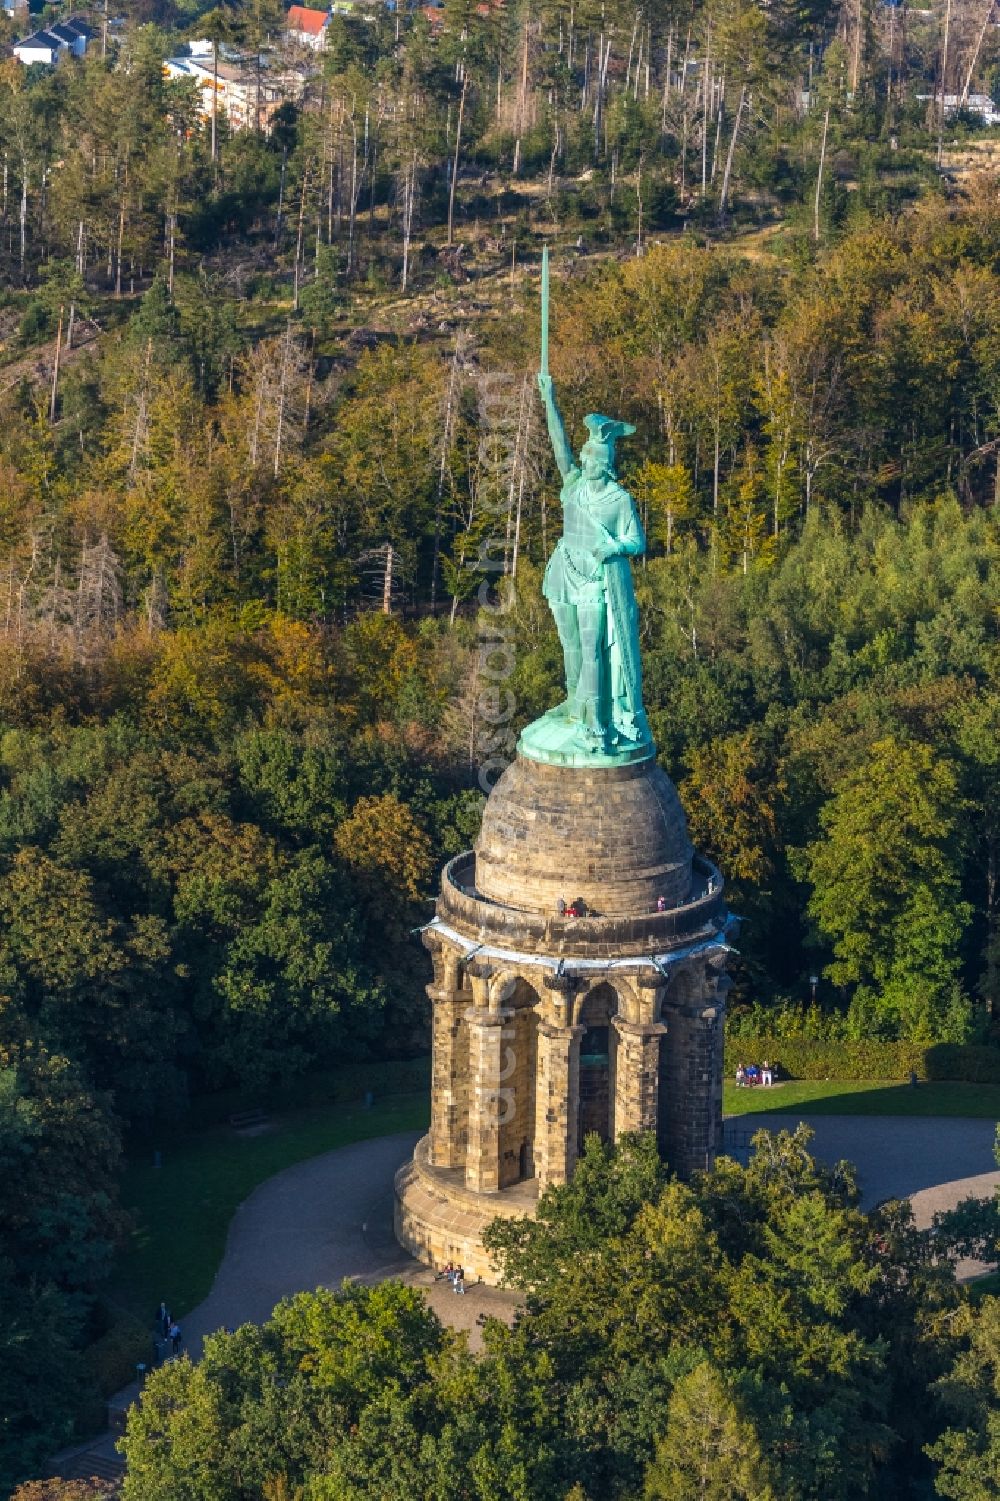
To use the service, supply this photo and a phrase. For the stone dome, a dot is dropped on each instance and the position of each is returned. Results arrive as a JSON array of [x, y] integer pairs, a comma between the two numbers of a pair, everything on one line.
[[614, 837]]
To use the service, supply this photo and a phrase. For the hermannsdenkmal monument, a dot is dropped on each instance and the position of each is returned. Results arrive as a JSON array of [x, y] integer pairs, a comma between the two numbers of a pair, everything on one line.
[[580, 948]]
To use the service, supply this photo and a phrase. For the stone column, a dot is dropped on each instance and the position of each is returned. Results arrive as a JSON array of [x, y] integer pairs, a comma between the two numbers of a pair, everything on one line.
[[637, 1075], [557, 1102], [482, 1158], [449, 1076], [691, 1121]]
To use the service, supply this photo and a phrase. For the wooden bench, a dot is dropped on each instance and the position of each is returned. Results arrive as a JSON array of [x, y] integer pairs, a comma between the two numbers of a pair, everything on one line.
[[241, 1119]]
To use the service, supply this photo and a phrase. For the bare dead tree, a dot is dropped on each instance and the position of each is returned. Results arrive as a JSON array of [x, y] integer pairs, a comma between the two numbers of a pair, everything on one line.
[[456, 162], [98, 595], [819, 175], [54, 393], [274, 375], [974, 59], [458, 362]]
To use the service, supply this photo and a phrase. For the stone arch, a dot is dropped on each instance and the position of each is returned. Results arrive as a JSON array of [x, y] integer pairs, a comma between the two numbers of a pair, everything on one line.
[[598, 1005], [597, 1063], [630, 1002], [686, 983], [517, 1081]]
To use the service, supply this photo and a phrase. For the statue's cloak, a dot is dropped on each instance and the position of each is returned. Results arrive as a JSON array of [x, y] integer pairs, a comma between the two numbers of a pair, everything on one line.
[[627, 682]]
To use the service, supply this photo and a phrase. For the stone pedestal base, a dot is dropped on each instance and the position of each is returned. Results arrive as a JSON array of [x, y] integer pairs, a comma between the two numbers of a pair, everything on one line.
[[548, 1027], [439, 1220]]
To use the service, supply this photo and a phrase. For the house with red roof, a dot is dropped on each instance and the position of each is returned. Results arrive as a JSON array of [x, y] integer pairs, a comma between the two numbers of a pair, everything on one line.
[[307, 27]]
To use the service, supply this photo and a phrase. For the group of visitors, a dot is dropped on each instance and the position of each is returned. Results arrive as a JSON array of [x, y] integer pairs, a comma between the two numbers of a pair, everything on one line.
[[750, 1074], [167, 1329], [576, 908], [455, 1275]]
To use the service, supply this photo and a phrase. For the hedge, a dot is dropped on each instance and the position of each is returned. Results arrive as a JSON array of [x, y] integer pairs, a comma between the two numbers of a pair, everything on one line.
[[107, 1365], [804, 1058]]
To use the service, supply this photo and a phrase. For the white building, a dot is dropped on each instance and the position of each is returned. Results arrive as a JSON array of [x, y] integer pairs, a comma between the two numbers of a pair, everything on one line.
[[41, 47], [980, 105], [62, 38], [246, 94], [307, 27]]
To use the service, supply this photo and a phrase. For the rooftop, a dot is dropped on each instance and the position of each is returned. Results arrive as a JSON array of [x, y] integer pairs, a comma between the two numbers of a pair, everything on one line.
[[40, 39], [302, 18]]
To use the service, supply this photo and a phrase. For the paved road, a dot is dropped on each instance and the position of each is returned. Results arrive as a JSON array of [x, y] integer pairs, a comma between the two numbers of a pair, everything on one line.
[[898, 1156]]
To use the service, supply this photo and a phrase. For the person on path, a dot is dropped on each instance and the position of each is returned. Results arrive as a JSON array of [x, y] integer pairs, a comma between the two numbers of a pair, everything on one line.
[[460, 1280], [163, 1319], [175, 1337]]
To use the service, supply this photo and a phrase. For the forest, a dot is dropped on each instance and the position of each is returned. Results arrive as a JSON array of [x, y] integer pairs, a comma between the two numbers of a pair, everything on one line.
[[275, 499]]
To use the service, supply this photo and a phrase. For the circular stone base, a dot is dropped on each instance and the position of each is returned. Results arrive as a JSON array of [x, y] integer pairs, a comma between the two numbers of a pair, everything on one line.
[[439, 1220]]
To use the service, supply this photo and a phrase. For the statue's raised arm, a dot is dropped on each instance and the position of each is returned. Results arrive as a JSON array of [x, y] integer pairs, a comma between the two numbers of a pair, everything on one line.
[[557, 431]]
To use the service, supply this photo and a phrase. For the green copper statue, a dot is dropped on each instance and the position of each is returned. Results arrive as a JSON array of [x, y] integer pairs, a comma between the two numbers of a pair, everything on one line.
[[588, 584]]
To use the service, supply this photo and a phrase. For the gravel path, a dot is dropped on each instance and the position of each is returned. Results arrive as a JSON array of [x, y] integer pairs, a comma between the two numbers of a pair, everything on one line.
[[310, 1226], [331, 1217]]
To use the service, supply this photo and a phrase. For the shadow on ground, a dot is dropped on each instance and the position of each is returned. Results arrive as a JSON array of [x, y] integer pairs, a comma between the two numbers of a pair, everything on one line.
[[895, 1156]]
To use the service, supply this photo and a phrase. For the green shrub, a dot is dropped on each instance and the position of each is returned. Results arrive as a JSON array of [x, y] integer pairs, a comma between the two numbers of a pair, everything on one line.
[[786, 1019], [106, 1365], [110, 1362], [36, 322], [809, 1058]]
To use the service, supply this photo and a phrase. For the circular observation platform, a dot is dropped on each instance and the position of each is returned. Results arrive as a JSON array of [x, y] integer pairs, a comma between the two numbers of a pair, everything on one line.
[[478, 918]]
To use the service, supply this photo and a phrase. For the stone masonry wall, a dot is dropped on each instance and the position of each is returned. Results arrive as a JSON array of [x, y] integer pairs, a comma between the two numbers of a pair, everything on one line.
[[689, 1123]]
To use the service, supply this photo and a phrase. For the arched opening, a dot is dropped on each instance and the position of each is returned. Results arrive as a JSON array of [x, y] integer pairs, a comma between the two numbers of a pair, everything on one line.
[[597, 1065], [518, 1065]]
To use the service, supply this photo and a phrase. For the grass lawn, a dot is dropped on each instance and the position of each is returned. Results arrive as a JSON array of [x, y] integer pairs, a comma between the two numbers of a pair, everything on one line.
[[182, 1209], [865, 1097], [982, 1287]]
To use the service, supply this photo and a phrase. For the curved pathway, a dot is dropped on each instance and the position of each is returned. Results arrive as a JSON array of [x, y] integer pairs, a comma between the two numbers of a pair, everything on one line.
[[330, 1217], [897, 1156], [316, 1223], [934, 1161]]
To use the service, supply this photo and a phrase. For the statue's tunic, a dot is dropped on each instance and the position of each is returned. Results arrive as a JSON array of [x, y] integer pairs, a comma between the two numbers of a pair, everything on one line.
[[575, 575]]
